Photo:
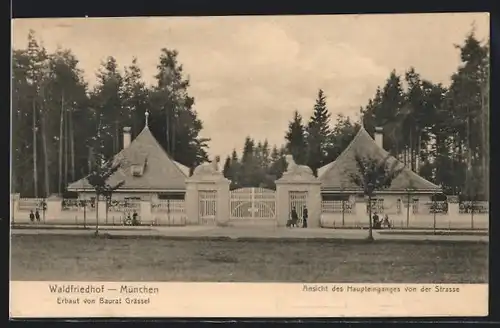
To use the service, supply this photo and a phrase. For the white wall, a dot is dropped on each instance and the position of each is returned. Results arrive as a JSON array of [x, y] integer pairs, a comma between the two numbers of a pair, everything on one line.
[[443, 221], [418, 218], [55, 214], [359, 218]]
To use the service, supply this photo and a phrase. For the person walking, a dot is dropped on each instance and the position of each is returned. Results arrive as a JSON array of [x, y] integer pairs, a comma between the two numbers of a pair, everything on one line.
[[376, 221], [305, 216], [386, 221], [135, 221]]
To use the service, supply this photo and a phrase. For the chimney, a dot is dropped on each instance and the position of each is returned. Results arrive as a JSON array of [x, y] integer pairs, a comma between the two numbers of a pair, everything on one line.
[[126, 137], [379, 136]]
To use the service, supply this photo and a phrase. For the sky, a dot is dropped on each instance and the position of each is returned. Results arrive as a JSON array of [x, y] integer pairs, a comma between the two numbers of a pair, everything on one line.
[[250, 73]]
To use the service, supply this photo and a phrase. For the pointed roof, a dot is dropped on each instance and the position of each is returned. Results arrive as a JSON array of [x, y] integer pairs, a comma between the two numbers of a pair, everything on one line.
[[144, 165], [335, 175]]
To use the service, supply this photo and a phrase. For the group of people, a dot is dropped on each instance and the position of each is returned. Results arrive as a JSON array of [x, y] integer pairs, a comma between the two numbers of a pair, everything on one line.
[[134, 220], [34, 216], [294, 218], [379, 223]]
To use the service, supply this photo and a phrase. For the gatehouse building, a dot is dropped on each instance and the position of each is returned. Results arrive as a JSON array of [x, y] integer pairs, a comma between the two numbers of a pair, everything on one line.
[[148, 172], [337, 187]]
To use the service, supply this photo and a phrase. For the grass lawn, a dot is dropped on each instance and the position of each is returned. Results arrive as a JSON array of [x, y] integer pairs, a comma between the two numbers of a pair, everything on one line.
[[437, 233], [46, 257], [77, 227]]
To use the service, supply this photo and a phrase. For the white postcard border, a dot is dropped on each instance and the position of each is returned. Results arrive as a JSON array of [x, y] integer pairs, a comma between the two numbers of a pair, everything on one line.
[[171, 299]]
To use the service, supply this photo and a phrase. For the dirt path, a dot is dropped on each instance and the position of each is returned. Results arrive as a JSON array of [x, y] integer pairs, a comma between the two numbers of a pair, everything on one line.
[[249, 233]]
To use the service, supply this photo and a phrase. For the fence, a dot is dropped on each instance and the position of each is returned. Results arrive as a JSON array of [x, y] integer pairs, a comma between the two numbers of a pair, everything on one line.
[[170, 212], [124, 206], [335, 214], [337, 206], [384, 206], [30, 204], [472, 207], [440, 208], [76, 205], [422, 215], [83, 212]]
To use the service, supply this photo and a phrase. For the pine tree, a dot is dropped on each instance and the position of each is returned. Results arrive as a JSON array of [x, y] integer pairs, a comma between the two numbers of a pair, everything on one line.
[[249, 164], [227, 168], [296, 140], [34, 76], [22, 129], [235, 169], [107, 100], [258, 154], [278, 164], [69, 104], [174, 122], [248, 151], [265, 154], [318, 131], [135, 95], [383, 112], [275, 154], [341, 136]]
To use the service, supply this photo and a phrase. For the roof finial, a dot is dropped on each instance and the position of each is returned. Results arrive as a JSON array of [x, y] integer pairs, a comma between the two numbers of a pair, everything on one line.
[[147, 115]]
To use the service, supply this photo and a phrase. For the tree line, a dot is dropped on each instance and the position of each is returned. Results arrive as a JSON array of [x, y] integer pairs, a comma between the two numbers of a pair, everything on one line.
[[440, 132], [313, 144], [62, 128]]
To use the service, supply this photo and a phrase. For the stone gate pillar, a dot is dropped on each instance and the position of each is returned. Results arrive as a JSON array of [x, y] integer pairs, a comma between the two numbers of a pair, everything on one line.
[[191, 202], [314, 204], [207, 177], [14, 205], [298, 178], [222, 213]]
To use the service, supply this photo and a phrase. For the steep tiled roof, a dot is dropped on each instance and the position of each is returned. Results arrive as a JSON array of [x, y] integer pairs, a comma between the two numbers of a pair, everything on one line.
[[144, 155], [336, 175]]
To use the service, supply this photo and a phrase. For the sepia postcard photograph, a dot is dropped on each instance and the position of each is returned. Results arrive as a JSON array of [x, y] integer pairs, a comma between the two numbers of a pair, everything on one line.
[[250, 166]]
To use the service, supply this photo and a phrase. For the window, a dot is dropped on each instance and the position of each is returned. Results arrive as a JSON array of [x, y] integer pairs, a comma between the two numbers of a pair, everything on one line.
[[377, 206], [137, 170], [414, 205]]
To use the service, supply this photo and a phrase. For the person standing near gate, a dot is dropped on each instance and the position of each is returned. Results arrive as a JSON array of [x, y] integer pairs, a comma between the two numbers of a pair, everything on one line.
[[37, 215], [305, 215], [294, 218], [32, 216], [135, 221], [376, 221]]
